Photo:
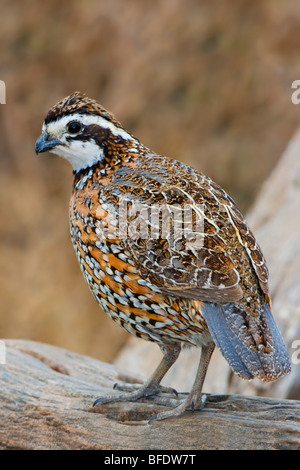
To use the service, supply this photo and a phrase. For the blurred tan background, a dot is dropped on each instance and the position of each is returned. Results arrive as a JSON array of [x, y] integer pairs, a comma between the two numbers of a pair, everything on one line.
[[206, 82]]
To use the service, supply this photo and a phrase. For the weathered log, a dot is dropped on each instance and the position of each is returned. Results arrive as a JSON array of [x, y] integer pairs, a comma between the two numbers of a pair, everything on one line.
[[47, 393]]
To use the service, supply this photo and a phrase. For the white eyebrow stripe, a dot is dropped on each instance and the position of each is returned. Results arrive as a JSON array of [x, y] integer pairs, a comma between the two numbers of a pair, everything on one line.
[[86, 119]]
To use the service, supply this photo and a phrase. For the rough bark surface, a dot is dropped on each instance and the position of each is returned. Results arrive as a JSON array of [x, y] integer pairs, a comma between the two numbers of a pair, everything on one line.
[[46, 397]]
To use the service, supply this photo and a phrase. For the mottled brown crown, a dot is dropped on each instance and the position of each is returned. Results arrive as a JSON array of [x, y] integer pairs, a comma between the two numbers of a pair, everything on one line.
[[79, 103]]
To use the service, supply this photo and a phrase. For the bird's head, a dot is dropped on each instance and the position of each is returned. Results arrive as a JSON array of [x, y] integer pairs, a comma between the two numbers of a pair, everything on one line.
[[77, 128]]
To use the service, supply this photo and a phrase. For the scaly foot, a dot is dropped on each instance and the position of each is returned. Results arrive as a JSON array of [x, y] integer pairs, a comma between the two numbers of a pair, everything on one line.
[[190, 402], [135, 391]]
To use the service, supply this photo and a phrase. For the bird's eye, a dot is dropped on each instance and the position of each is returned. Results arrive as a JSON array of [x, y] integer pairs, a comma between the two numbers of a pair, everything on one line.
[[74, 127]]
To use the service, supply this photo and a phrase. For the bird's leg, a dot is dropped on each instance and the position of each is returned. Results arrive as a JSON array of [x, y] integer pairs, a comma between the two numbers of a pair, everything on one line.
[[152, 385], [195, 398]]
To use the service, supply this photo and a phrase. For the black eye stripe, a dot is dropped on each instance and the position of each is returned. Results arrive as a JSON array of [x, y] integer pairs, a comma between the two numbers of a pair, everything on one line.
[[91, 132]]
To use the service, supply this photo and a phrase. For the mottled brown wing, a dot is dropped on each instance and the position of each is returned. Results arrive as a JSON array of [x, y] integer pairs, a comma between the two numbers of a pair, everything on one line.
[[247, 239], [183, 231], [176, 269], [179, 233]]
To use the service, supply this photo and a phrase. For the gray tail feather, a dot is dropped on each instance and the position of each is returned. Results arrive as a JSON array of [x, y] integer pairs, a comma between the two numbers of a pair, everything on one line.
[[231, 333]]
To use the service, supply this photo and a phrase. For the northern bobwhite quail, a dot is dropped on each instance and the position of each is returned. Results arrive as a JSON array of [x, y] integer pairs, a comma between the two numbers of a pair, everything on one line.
[[165, 251]]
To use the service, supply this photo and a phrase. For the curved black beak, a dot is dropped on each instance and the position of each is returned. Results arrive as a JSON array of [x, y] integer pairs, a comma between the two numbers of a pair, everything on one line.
[[46, 142]]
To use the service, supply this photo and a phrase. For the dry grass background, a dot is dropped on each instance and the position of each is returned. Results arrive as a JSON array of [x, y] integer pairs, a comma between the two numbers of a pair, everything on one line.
[[206, 82]]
